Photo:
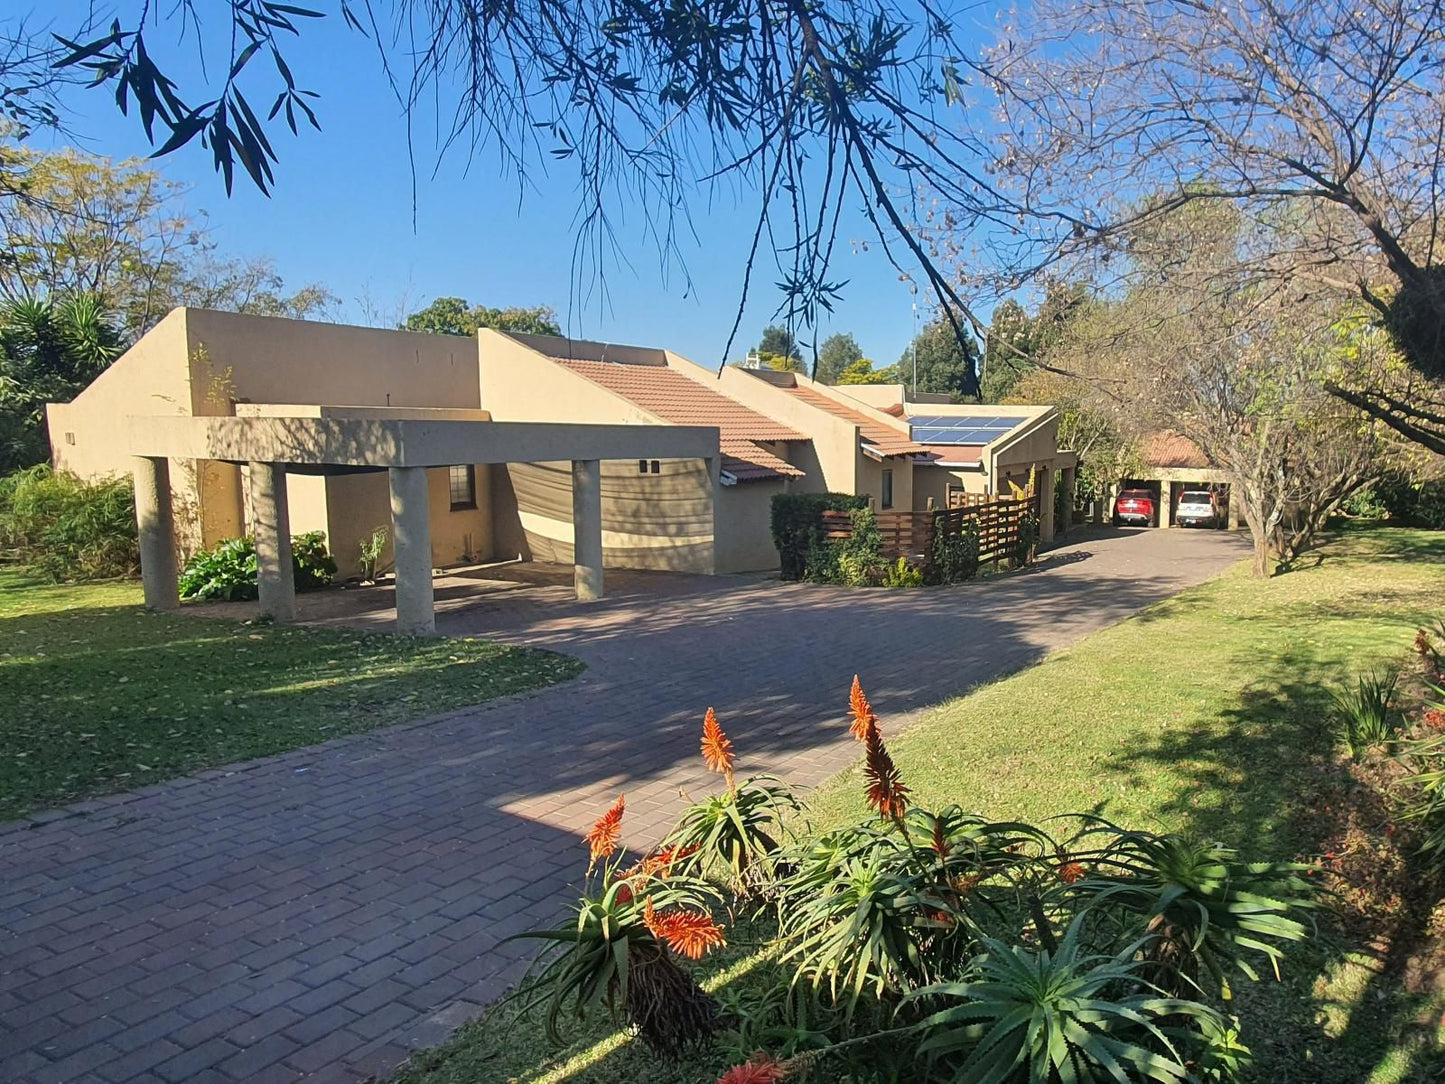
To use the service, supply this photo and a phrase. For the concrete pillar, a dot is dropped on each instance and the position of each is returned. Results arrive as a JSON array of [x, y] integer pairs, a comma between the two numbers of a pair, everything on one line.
[[1233, 513], [713, 465], [271, 528], [157, 529], [411, 551], [587, 528], [1166, 504], [1045, 483]]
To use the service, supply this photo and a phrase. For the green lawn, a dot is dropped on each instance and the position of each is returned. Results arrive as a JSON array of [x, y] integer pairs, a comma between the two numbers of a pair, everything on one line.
[[1207, 713], [100, 696]]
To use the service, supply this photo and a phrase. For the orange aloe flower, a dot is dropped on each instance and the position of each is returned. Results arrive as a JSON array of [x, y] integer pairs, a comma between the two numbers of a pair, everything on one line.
[[660, 863], [939, 842], [758, 1069], [886, 792], [688, 933], [717, 747], [860, 710], [1072, 872], [606, 832]]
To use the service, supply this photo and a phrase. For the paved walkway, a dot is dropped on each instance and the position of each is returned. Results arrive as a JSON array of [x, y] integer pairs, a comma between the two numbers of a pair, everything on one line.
[[323, 912]]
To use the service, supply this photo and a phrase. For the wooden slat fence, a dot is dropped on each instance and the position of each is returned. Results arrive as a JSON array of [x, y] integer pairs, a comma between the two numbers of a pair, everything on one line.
[[910, 534]]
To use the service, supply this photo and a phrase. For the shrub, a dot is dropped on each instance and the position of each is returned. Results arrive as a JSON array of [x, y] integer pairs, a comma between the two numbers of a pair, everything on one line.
[[902, 574], [68, 529], [1410, 500], [1366, 713], [371, 550], [314, 566], [955, 556], [1365, 505], [796, 525], [228, 571]]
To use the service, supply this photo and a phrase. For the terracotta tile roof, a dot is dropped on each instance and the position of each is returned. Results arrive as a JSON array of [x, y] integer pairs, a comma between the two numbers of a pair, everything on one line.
[[884, 438], [1170, 449], [679, 399], [955, 453]]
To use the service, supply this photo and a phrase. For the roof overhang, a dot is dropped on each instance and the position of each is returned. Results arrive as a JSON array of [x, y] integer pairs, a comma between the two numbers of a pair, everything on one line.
[[305, 442]]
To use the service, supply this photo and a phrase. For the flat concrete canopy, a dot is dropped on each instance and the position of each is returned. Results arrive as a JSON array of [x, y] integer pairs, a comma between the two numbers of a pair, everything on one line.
[[272, 446], [369, 442]]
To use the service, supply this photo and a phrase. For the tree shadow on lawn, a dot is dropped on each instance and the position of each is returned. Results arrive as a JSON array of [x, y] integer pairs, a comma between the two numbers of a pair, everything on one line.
[[1268, 780], [113, 698]]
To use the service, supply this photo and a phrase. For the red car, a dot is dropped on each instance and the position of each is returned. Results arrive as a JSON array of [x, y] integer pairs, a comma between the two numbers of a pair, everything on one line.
[[1134, 506]]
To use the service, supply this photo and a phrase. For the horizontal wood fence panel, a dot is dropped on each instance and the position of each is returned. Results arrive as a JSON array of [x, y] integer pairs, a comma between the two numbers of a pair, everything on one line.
[[999, 522]]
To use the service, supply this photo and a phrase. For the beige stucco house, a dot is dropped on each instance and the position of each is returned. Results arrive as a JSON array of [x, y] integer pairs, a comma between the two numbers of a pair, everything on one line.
[[706, 511]]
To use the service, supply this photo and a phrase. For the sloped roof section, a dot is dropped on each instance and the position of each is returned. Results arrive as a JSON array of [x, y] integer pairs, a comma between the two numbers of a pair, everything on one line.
[[1171, 449], [883, 439], [681, 400]]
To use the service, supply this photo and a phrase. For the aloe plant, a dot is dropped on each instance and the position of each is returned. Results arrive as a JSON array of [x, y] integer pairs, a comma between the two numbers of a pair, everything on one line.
[[1061, 1015], [1366, 713]]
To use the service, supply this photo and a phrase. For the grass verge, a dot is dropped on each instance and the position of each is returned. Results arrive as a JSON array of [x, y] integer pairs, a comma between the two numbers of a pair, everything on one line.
[[1208, 713], [100, 696]]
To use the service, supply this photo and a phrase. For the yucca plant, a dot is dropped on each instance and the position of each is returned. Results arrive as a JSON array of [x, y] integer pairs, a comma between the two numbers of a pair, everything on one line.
[[618, 952], [1201, 911], [1366, 713], [736, 834], [1057, 1015]]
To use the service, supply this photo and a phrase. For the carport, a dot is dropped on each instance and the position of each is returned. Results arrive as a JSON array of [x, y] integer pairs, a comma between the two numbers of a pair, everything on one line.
[[271, 447]]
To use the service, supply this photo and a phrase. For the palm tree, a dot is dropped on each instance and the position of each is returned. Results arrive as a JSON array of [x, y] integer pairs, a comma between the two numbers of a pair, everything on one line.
[[49, 351]]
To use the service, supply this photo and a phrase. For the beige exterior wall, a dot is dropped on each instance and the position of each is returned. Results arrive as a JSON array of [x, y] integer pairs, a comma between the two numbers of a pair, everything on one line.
[[830, 458], [660, 521], [934, 482], [272, 360], [744, 527], [870, 481]]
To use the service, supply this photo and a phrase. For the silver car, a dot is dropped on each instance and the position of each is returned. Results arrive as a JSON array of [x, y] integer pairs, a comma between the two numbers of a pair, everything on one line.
[[1197, 508]]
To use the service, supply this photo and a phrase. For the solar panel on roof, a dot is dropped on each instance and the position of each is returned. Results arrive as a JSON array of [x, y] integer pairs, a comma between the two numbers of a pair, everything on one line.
[[956, 421], [956, 436]]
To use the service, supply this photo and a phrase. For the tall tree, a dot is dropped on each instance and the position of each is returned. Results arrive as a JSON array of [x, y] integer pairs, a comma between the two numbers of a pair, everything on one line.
[[837, 353], [862, 371], [49, 351], [778, 349], [1319, 120], [80, 224], [454, 316], [946, 361], [1193, 345]]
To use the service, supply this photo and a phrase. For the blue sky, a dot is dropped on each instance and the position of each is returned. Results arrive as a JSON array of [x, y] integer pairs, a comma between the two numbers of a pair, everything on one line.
[[341, 214]]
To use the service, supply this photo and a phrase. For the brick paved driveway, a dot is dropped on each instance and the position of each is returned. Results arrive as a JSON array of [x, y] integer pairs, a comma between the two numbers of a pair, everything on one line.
[[323, 912]]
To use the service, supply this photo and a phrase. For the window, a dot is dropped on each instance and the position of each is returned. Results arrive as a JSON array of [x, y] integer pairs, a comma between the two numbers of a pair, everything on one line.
[[464, 487], [649, 466], [887, 501]]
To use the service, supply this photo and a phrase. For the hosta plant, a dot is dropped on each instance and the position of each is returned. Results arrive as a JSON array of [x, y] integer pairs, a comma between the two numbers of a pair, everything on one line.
[[1061, 1014], [736, 834], [620, 950]]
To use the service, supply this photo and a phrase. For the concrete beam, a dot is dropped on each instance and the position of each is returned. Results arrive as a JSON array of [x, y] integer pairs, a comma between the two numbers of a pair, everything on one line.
[[401, 442], [155, 523], [271, 528], [587, 528], [411, 547]]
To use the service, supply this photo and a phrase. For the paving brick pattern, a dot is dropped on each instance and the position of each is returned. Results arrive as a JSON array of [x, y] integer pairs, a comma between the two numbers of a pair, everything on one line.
[[322, 913]]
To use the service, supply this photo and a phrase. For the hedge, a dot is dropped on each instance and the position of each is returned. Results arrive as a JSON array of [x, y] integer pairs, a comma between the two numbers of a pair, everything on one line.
[[796, 520]]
